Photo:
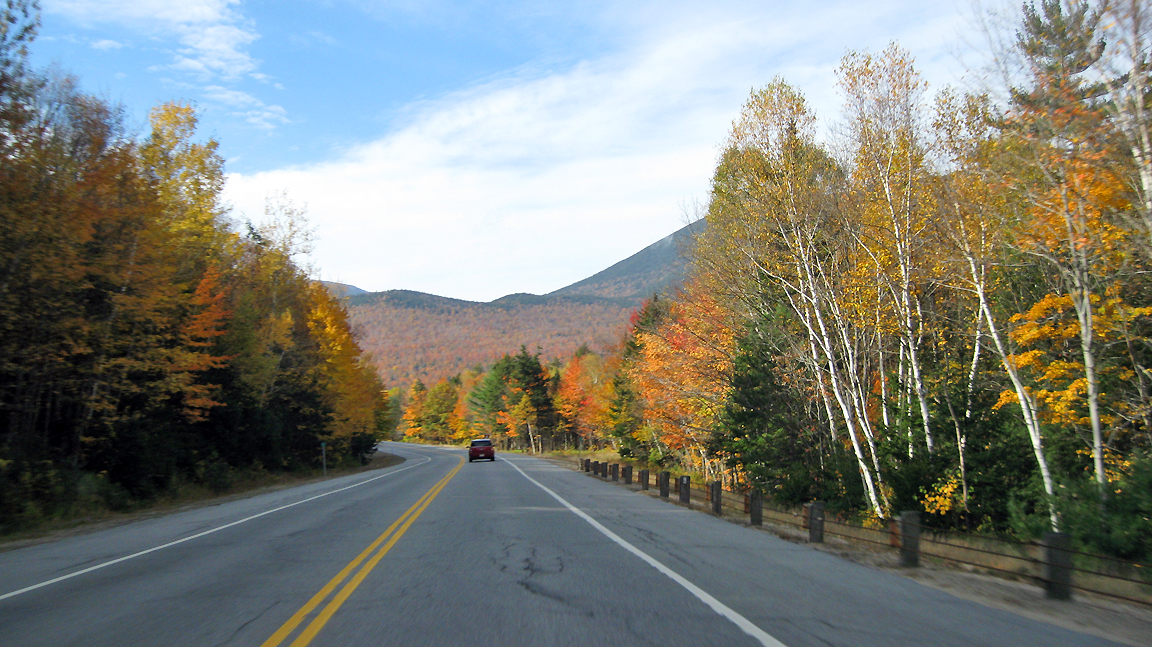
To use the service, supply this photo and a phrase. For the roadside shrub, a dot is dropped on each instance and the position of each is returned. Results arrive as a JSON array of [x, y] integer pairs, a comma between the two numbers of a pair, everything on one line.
[[363, 445], [216, 475], [1119, 525]]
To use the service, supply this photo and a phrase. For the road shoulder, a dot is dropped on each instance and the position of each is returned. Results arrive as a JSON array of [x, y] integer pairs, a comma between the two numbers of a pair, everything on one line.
[[1115, 620]]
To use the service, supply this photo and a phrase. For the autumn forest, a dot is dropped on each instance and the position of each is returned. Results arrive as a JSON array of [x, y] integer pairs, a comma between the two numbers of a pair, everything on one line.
[[940, 304], [145, 340]]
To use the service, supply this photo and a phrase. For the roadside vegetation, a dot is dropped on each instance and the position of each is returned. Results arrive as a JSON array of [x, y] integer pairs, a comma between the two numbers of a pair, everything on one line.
[[148, 343]]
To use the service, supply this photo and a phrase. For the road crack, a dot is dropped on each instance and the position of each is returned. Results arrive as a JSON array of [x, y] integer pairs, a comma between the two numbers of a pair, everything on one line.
[[237, 630]]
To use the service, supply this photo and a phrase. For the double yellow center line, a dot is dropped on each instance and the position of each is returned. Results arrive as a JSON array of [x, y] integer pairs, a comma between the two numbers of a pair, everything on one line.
[[322, 618]]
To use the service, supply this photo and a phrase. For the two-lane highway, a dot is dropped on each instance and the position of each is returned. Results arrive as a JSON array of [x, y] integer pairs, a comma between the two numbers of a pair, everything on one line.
[[438, 551]]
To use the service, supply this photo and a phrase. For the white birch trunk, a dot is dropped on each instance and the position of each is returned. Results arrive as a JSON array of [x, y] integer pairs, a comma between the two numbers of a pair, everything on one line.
[[1027, 403]]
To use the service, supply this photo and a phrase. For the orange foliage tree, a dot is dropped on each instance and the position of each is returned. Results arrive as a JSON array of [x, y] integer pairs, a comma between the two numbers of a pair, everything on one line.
[[681, 375]]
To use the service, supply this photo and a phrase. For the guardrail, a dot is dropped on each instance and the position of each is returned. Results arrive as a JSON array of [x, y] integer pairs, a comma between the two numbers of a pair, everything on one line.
[[1051, 562]]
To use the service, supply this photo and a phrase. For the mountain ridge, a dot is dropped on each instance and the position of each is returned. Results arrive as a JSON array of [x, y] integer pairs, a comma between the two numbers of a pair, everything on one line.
[[414, 335], [650, 270]]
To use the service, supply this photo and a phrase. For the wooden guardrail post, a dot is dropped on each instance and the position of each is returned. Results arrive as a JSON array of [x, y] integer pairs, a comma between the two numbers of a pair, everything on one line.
[[756, 507], [910, 538], [627, 475], [1057, 573], [685, 489], [596, 468], [717, 497], [643, 479], [816, 522], [663, 479], [614, 470], [587, 464]]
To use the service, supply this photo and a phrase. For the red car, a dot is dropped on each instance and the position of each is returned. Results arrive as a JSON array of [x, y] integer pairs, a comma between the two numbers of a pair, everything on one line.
[[481, 448]]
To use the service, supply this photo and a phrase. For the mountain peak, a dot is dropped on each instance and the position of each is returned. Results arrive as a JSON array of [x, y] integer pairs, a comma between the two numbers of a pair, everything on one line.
[[652, 269], [342, 289]]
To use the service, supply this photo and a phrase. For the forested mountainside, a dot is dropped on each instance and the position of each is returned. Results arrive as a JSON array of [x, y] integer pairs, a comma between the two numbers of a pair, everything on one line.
[[412, 335]]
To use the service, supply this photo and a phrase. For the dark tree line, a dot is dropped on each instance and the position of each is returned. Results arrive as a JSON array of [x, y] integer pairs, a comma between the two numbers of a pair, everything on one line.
[[144, 341]]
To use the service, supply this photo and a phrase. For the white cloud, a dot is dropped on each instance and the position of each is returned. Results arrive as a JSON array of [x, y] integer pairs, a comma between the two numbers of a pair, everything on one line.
[[218, 49], [214, 36], [538, 179], [213, 40], [182, 12], [231, 98], [247, 107], [267, 117]]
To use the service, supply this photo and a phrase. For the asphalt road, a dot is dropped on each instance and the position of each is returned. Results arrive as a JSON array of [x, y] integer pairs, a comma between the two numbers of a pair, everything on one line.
[[438, 551]]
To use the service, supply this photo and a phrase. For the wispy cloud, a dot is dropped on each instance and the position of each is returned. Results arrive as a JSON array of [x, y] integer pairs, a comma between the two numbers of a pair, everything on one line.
[[231, 98], [540, 177], [213, 35], [247, 107], [183, 12], [107, 44], [267, 117], [216, 50], [312, 37]]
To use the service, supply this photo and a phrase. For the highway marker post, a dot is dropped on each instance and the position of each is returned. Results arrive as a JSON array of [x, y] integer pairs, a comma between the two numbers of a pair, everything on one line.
[[910, 538], [685, 489], [815, 522], [1057, 573], [324, 457]]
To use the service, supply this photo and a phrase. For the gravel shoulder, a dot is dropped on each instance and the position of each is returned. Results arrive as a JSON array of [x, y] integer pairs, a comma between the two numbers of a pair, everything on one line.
[[1097, 615]]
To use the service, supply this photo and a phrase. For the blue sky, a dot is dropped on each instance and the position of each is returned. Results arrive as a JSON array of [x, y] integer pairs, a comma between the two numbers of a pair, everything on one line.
[[476, 149]]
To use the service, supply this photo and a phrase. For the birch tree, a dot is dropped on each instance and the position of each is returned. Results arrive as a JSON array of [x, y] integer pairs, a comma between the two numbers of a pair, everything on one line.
[[975, 223], [883, 95], [773, 221]]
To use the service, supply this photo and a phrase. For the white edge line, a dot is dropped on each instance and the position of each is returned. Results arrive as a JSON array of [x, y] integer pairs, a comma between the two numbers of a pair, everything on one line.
[[719, 607], [198, 535]]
